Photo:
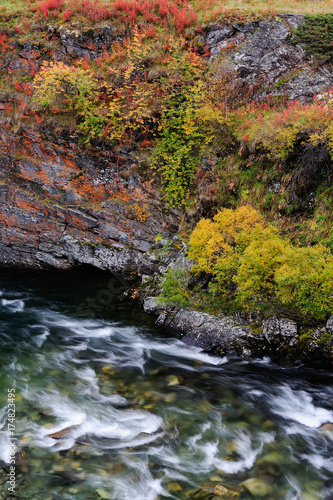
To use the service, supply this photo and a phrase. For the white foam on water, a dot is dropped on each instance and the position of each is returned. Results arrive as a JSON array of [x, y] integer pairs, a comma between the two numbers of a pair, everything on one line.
[[247, 452], [95, 420], [298, 406], [177, 349], [114, 399], [88, 375], [295, 493], [15, 305], [82, 328], [40, 339], [255, 393], [319, 462]]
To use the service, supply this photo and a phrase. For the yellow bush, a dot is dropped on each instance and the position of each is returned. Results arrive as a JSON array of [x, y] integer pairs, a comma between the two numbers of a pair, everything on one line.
[[257, 266], [253, 264], [305, 280], [215, 246], [127, 95]]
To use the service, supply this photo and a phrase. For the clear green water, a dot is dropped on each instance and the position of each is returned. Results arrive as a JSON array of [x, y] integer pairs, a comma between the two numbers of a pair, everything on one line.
[[143, 416]]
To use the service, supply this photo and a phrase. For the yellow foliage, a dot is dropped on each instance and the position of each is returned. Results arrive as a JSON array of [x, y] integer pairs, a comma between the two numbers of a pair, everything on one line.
[[257, 266], [305, 280], [279, 131], [216, 246], [58, 85], [252, 261]]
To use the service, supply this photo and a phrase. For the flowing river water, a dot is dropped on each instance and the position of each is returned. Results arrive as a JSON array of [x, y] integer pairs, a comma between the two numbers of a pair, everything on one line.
[[110, 407]]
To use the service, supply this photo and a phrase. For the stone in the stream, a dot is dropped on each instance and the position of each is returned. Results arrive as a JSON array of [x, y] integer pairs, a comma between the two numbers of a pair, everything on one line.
[[171, 397], [198, 493], [256, 487], [268, 425], [269, 469], [215, 479], [272, 457], [76, 465], [223, 491], [103, 493], [173, 380], [63, 433], [108, 370], [326, 430], [174, 487]]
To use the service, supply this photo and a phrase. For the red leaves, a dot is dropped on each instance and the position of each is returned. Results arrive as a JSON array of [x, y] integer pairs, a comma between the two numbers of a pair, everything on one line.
[[18, 86], [4, 42], [49, 5], [164, 13]]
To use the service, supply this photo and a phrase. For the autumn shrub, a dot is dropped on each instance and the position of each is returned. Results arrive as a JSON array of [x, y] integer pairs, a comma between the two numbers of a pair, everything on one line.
[[180, 147], [279, 131], [60, 88], [252, 264], [216, 245], [175, 289], [305, 280], [112, 109], [257, 266], [183, 134]]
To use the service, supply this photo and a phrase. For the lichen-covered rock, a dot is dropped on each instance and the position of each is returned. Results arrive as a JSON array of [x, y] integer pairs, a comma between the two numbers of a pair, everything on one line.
[[257, 487], [211, 332], [276, 329], [86, 43], [61, 207], [329, 325], [262, 55], [223, 491]]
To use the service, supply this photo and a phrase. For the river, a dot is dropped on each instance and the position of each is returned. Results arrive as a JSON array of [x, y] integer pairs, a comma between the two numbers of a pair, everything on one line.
[[107, 406]]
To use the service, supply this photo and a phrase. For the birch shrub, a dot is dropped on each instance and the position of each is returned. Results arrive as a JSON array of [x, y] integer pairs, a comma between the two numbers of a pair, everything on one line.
[[252, 259]]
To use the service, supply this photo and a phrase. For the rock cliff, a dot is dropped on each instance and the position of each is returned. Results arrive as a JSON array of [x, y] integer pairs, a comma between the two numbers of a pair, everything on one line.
[[61, 207]]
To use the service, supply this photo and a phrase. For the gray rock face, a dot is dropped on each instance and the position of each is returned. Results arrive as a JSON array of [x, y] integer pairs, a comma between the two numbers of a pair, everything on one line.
[[208, 331], [88, 43], [329, 325], [42, 227], [263, 56], [279, 330], [226, 335]]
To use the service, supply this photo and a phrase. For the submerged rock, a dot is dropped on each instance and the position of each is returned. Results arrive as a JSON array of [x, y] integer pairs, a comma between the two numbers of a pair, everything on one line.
[[63, 433], [327, 430], [223, 491], [257, 487]]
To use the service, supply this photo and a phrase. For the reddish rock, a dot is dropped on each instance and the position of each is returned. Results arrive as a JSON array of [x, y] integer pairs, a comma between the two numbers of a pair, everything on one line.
[[61, 207]]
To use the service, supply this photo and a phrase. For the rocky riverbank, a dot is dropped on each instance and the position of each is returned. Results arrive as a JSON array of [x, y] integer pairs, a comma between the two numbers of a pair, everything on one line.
[[248, 336]]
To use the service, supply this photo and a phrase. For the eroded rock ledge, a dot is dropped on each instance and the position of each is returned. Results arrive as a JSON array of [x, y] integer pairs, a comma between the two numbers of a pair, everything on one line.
[[61, 207], [248, 337]]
